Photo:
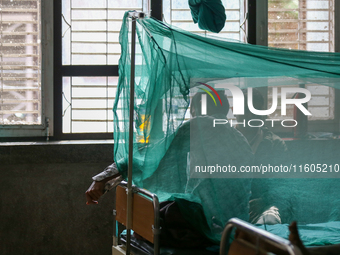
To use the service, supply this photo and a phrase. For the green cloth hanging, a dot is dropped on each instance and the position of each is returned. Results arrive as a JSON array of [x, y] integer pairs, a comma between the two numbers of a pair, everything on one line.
[[209, 14]]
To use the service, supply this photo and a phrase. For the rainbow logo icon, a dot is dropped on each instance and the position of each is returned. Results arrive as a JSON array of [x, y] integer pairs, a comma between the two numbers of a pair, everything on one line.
[[209, 93]]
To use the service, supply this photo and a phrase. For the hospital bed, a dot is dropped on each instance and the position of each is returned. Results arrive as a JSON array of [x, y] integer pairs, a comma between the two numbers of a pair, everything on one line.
[[146, 224]]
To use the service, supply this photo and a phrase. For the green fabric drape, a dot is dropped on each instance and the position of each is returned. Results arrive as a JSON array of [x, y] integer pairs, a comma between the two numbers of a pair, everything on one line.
[[209, 14]]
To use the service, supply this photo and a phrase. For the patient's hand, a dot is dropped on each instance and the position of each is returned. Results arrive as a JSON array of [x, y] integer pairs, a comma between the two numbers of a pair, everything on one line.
[[94, 192]]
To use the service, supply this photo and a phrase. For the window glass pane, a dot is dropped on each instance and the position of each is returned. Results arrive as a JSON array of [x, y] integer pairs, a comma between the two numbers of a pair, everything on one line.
[[87, 104], [301, 24], [90, 30], [20, 77]]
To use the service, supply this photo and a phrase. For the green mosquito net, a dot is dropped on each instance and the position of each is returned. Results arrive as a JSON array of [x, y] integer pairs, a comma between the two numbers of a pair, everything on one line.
[[232, 130]]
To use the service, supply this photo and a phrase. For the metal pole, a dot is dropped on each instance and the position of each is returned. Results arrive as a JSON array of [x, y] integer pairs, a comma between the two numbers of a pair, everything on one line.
[[131, 117], [156, 227]]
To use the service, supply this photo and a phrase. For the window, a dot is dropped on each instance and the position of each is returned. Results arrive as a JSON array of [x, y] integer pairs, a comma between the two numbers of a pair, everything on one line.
[[22, 96], [89, 65], [20, 63]]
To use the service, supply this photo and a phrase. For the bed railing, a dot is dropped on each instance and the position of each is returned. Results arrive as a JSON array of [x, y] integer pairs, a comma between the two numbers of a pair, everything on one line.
[[269, 242], [145, 215]]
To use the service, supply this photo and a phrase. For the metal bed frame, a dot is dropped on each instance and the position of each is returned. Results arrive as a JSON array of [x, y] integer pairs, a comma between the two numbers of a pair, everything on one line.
[[156, 229], [260, 234]]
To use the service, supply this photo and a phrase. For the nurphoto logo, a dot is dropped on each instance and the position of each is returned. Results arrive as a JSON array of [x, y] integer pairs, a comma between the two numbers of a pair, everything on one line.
[[238, 103]]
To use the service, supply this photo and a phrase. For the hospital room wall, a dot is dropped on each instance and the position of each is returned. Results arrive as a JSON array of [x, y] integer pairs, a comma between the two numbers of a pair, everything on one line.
[[42, 203]]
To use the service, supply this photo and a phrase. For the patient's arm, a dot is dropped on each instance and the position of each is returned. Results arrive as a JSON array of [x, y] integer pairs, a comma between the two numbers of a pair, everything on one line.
[[109, 173], [96, 190]]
